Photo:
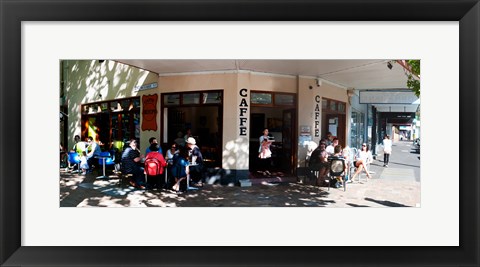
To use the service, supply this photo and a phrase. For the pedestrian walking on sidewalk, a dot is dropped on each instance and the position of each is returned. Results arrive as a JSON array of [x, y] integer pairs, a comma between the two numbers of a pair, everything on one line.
[[387, 150]]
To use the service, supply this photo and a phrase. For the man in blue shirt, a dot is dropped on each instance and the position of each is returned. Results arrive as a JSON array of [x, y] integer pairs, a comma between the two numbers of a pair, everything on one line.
[[153, 140]]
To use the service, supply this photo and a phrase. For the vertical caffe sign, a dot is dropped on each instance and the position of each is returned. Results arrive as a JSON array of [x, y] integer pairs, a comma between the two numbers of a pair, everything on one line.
[[243, 108], [149, 112], [317, 115]]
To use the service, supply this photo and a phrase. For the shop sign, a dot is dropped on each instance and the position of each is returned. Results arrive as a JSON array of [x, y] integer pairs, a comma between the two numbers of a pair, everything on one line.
[[149, 112], [317, 115], [145, 87], [243, 108]]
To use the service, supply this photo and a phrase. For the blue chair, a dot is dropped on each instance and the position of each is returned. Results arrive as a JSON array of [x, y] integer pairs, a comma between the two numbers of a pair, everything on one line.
[[74, 159], [109, 161]]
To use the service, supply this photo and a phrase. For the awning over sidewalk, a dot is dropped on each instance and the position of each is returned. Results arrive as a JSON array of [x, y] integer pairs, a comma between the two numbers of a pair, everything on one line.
[[351, 73]]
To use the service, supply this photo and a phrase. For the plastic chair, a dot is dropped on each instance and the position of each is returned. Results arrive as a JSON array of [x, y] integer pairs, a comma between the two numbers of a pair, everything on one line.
[[74, 159], [367, 167], [109, 161], [337, 169]]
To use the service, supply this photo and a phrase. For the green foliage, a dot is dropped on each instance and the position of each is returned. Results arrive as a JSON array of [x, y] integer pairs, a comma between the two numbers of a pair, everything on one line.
[[413, 83]]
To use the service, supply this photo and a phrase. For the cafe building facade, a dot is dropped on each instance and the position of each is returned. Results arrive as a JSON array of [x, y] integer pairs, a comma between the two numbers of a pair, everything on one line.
[[225, 110]]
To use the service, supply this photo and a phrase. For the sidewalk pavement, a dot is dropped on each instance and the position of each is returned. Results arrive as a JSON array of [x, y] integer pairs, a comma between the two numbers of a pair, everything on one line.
[[395, 186]]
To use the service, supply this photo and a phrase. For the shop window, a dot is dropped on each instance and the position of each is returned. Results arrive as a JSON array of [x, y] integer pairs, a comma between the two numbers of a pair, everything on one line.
[[189, 99], [125, 104], [212, 98], [333, 105], [261, 98], [324, 104], [104, 107], [171, 99], [115, 106], [284, 100], [111, 121], [136, 103]]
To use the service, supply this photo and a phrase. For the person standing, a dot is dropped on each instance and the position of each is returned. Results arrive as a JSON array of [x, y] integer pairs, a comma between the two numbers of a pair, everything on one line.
[[387, 150], [264, 152], [196, 159], [83, 163]]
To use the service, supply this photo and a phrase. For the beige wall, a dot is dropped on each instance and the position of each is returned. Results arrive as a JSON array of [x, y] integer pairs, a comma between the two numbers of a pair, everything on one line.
[[88, 81], [306, 108]]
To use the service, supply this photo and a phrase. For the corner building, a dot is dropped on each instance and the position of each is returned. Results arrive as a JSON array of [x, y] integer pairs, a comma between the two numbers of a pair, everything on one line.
[[225, 110]]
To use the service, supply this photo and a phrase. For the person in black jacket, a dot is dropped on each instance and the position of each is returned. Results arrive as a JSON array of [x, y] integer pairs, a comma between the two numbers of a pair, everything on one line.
[[319, 162], [131, 159]]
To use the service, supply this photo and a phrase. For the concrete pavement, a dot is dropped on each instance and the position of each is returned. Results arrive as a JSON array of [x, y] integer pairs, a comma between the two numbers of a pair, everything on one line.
[[395, 186]]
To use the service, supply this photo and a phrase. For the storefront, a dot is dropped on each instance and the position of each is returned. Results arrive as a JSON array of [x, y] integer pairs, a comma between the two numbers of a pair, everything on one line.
[[225, 111]]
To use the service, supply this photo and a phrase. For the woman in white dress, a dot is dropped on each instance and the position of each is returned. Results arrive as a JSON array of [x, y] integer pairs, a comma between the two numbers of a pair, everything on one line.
[[363, 157]]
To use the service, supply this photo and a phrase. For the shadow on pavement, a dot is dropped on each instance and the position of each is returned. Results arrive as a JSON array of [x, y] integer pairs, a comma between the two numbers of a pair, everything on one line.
[[386, 203]]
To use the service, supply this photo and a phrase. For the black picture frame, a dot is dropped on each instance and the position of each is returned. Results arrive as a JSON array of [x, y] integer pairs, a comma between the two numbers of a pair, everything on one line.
[[13, 12]]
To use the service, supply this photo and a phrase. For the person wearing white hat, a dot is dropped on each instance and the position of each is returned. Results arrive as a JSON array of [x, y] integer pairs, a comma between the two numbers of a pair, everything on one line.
[[196, 159]]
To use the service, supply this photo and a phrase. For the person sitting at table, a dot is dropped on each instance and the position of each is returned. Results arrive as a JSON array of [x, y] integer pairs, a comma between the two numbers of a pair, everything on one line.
[[152, 141], [180, 169], [196, 159], [154, 171], [338, 154], [169, 157], [93, 151], [171, 152], [362, 159], [131, 159], [78, 147], [319, 162]]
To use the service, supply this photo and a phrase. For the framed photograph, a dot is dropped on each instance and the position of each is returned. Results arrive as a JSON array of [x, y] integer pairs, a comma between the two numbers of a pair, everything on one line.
[[218, 245]]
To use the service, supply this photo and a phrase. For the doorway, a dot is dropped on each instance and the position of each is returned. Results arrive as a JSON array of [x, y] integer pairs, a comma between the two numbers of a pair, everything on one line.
[[279, 117]]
